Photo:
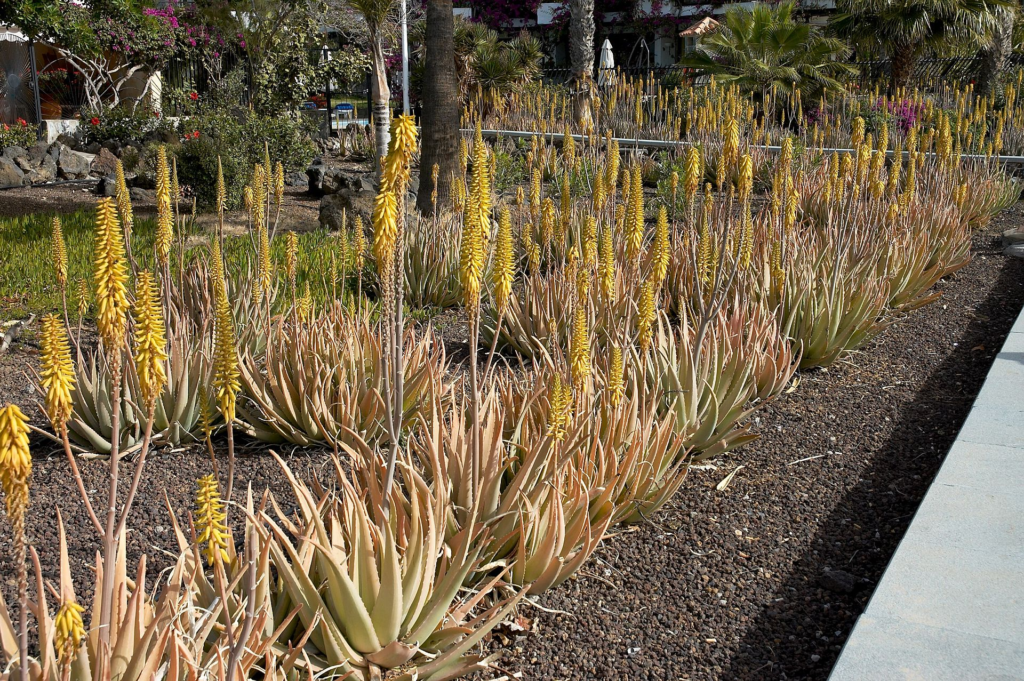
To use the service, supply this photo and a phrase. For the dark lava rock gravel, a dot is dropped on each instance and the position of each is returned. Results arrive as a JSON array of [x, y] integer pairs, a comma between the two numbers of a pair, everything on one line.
[[763, 580]]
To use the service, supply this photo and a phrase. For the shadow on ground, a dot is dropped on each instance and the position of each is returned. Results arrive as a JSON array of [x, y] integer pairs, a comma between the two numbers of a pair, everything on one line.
[[861, 534]]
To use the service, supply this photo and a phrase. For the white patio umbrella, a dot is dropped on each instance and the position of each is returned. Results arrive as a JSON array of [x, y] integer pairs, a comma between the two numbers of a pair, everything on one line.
[[606, 64]]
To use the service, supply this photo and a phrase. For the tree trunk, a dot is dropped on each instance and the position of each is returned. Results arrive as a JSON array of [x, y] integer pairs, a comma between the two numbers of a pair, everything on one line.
[[902, 63], [994, 55], [380, 93], [581, 57], [440, 108]]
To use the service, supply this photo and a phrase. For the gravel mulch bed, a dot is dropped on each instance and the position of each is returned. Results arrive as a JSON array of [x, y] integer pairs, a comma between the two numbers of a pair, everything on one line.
[[766, 579], [763, 580]]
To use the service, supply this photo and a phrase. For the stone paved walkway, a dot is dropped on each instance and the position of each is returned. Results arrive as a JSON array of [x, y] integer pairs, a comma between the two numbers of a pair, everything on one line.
[[950, 606]]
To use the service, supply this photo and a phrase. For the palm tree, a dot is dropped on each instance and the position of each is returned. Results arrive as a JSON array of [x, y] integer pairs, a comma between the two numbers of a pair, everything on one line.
[[375, 13], [581, 58], [440, 107], [764, 48], [995, 53], [902, 30]]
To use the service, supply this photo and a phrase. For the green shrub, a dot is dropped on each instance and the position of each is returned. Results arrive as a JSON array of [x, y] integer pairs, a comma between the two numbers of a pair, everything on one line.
[[123, 124], [21, 134]]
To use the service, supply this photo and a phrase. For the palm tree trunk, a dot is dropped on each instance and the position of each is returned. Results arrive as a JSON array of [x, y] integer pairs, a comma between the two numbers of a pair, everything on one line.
[[995, 54], [902, 63], [581, 57], [440, 108], [380, 93]]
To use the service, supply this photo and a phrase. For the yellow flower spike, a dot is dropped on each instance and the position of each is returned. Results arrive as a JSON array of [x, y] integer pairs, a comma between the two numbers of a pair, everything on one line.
[[210, 520], [82, 298], [58, 373], [558, 409], [403, 144], [358, 244], [531, 249], [222, 195], [304, 306], [385, 230], [264, 275], [616, 382], [660, 248], [124, 200], [599, 196], [471, 257], [291, 256], [635, 215], [504, 262], [69, 632], [547, 222], [258, 211], [59, 254], [164, 211], [248, 199], [606, 265], [746, 177], [613, 159], [590, 241], [278, 183], [645, 316], [150, 339], [731, 142], [15, 464], [857, 132], [111, 277], [704, 260], [579, 347], [225, 359], [693, 174]]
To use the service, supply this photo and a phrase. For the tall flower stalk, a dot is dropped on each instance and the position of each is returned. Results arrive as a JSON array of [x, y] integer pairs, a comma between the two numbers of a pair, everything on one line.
[[15, 470]]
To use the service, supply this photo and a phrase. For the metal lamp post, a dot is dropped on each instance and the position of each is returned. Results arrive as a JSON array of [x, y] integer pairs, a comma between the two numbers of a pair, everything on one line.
[[405, 59], [327, 88]]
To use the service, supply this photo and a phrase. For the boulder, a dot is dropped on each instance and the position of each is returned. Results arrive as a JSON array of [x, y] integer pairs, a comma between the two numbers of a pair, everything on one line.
[[92, 148], [107, 186], [37, 152], [295, 179], [12, 153], [66, 139], [10, 174], [74, 164], [336, 181], [105, 162], [140, 194], [113, 146], [351, 203], [315, 175], [43, 171]]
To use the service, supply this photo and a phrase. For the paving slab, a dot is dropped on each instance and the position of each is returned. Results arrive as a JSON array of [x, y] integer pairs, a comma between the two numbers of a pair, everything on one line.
[[950, 605], [886, 649]]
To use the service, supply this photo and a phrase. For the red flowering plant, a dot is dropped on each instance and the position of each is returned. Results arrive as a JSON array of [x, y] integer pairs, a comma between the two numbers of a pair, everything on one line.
[[20, 134]]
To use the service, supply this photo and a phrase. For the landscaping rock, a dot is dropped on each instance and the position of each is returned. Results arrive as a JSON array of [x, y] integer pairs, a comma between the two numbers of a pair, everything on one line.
[[838, 581], [337, 181], [74, 164], [1013, 236], [38, 151], [66, 139], [315, 175], [296, 179], [12, 153], [140, 194], [113, 146], [105, 162], [351, 203], [43, 171], [107, 186], [10, 174], [1014, 250], [92, 148]]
